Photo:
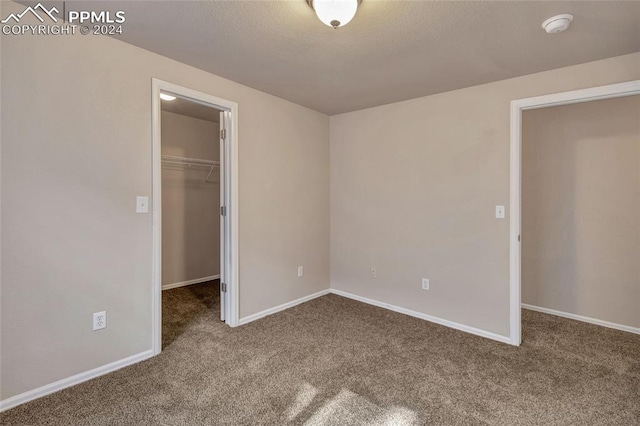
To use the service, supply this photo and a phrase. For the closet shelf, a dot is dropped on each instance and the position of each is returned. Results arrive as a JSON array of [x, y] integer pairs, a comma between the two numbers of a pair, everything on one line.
[[191, 162]]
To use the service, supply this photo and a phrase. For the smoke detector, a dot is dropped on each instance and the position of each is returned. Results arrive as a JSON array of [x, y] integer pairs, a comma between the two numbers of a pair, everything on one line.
[[557, 24]]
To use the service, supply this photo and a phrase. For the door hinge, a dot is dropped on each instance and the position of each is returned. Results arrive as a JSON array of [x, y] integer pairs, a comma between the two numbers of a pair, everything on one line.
[[518, 238], [223, 287], [223, 133], [223, 211]]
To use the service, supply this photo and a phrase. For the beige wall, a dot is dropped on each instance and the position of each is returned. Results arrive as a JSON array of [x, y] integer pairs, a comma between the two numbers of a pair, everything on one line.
[[414, 186], [581, 209], [190, 206], [76, 150]]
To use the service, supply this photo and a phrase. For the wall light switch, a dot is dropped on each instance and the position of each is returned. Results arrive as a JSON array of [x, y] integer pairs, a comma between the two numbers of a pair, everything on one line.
[[499, 212], [300, 271], [142, 204]]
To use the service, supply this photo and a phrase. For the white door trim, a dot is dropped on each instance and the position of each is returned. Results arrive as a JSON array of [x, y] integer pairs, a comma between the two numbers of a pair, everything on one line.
[[231, 171], [517, 106]]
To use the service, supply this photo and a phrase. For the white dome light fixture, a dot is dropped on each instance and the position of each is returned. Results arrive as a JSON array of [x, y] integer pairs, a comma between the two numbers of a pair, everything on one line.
[[335, 13], [557, 24]]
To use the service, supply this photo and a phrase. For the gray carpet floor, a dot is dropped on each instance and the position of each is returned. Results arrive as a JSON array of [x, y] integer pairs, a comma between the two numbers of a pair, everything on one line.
[[335, 361]]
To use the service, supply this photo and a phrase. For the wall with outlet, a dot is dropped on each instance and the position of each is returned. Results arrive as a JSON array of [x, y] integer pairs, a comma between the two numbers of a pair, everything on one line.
[[414, 190], [581, 209], [76, 135]]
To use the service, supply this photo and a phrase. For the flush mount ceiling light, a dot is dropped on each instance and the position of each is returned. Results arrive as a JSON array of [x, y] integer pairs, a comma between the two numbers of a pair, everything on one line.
[[557, 24], [166, 97], [335, 13]]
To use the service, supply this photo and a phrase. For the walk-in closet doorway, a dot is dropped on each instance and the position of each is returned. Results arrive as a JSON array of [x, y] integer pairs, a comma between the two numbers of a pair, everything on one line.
[[194, 208], [612, 91]]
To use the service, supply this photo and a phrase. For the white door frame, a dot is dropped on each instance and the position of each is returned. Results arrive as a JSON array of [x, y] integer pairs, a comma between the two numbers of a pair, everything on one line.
[[517, 106], [231, 176]]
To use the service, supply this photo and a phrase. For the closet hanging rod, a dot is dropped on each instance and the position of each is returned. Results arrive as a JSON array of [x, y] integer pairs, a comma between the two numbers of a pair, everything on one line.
[[189, 161], [192, 162]]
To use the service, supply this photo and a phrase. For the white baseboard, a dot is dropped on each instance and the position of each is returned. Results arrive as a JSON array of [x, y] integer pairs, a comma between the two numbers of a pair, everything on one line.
[[73, 380], [446, 323], [185, 283], [99, 371], [430, 318], [602, 323], [282, 307]]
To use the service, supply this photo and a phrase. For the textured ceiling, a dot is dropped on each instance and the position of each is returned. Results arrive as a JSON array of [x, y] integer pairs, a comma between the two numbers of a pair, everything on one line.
[[391, 51]]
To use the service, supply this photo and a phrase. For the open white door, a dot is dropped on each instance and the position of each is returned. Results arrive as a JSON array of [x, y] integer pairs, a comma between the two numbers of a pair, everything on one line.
[[223, 216]]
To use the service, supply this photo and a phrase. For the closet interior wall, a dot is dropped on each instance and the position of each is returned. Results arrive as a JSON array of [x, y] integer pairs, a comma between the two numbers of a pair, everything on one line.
[[581, 209], [190, 202]]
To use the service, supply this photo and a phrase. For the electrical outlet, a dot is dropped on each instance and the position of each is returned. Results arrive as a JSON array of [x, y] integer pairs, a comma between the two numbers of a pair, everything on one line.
[[499, 212], [99, 320], [425, 284], [373, 273], [300, 271]]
